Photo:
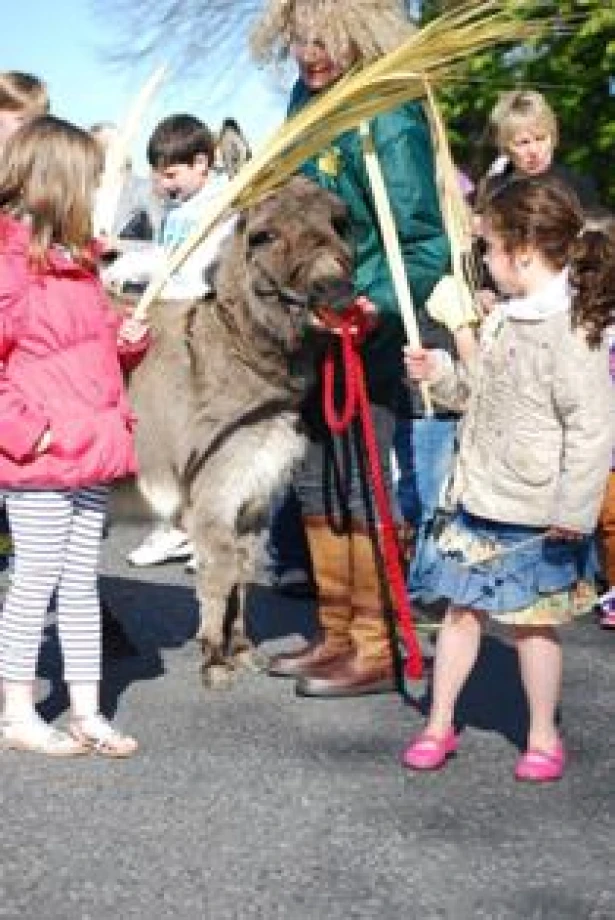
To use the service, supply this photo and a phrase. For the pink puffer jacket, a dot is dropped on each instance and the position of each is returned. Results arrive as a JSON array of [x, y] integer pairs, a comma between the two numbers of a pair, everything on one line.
[[59, 370]]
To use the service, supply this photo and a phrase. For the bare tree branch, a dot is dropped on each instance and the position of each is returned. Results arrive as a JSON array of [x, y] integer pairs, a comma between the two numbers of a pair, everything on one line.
[[190, 34], [187, 32]]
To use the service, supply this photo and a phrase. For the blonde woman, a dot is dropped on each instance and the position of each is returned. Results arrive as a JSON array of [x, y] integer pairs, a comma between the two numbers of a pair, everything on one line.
[[352, 653], [525, 130]]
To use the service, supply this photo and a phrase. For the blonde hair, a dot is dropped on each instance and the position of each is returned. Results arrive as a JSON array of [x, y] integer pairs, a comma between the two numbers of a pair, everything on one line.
[[23, 92], [49, 171], [518, 110], [365, 28]]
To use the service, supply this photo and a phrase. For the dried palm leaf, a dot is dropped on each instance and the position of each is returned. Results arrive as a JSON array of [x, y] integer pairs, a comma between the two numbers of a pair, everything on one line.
[[456, 212], [435, 52], [110, 188], [392, 247]]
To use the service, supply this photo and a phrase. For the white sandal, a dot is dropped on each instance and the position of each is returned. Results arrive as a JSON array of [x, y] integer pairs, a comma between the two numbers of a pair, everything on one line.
[[35, 735], [96, 734]]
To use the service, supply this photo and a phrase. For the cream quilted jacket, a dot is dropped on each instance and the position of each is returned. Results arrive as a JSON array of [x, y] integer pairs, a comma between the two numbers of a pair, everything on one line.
[[539, 424]]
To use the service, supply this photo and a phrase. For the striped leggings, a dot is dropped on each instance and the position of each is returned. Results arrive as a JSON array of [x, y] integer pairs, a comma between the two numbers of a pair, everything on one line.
[[56, 538]]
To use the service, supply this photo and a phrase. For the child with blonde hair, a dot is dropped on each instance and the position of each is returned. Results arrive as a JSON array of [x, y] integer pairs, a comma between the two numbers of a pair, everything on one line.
[[534, 459], [65, 427], [22, 96]]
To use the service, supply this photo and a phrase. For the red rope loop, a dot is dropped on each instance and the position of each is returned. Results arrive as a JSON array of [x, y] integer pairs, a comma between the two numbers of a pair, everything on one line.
[[353, 325], [338, 423]]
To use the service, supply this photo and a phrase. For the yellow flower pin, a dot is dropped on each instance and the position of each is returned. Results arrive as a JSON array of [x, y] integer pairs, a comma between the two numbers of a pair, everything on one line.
[[329, 162]]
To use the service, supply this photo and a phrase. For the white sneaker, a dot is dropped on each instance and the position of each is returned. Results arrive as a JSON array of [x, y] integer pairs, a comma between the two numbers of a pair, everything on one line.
[[163, 544]]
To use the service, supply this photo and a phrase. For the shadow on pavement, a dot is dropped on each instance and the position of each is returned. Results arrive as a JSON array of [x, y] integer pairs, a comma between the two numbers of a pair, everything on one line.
[[154, 617], [493, 698], [270, 615], [157, 617]]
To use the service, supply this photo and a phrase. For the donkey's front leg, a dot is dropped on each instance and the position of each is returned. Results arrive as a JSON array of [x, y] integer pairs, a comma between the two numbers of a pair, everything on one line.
[[240, 647], [216, 578]]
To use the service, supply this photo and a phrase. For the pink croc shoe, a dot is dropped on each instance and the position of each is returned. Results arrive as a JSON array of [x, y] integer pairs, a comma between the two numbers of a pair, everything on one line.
[[607, 610], [607, 619], [427, 752], [541, 766]]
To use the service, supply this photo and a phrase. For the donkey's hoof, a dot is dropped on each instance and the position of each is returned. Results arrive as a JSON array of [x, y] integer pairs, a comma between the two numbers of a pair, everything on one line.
[[217, 677], [250, 659], [200, 634]]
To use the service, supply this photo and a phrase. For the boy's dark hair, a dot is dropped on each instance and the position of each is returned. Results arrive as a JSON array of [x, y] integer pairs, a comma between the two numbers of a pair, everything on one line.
[[179, 139]]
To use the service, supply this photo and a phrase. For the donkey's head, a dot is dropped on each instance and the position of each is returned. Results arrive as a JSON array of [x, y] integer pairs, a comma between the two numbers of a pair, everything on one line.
[[289, 257]]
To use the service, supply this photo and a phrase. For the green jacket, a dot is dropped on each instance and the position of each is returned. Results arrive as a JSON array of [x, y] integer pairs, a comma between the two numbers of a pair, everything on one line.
[[403, 144]]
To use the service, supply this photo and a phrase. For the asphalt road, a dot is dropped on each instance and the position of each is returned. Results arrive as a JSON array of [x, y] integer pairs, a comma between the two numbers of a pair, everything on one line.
[[253, 803]]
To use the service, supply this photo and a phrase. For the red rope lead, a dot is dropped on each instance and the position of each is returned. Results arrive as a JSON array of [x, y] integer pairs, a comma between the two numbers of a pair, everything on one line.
[[353, 325]]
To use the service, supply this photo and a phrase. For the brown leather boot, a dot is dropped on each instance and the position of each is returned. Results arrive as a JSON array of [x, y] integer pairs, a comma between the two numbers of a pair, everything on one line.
[[368, 667], [330, 554]]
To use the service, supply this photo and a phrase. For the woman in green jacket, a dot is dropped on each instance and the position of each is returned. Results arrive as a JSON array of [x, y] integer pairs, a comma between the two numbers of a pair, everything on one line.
[[352, 653]]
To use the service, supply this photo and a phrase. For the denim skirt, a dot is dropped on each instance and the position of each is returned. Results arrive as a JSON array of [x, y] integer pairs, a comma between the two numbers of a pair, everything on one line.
[[511, 572]]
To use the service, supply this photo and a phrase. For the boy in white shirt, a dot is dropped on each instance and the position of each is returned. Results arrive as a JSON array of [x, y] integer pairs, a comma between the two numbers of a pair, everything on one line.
[[181, 154]]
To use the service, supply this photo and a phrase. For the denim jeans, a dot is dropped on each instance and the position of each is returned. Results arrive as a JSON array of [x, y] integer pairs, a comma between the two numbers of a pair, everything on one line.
[[332, 481], [286, 545], [424, 449]]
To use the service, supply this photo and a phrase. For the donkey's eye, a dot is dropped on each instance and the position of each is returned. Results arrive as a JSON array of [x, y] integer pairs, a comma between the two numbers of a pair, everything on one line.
[[340, 224], [261, 238]]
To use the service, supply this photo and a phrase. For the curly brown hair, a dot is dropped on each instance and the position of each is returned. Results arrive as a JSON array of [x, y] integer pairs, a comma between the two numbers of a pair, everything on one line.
[[547, 216], [368, 28]]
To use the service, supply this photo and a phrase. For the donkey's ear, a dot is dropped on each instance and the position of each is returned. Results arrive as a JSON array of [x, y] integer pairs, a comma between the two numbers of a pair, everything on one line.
[[233, 147]]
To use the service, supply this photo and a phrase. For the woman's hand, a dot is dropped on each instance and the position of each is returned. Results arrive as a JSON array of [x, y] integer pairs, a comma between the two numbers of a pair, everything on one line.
[[421, 364], [366, 305], [44, 442], [132, 331], [369, 309]]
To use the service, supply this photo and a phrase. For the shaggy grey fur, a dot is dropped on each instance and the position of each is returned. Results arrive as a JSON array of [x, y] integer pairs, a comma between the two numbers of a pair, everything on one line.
[[219, 393]]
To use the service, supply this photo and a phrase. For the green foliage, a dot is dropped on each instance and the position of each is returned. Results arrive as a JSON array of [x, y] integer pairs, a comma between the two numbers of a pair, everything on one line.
[[572, 65]]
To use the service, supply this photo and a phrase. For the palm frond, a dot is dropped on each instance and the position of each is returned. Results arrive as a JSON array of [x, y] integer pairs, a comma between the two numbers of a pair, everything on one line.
[[109, 191], [434, 53]]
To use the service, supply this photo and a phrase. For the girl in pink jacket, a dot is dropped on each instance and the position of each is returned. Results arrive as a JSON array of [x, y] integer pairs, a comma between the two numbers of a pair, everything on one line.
[[65, 427]]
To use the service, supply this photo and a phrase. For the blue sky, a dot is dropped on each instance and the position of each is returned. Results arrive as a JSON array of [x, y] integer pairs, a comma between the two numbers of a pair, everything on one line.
[[68, 44]]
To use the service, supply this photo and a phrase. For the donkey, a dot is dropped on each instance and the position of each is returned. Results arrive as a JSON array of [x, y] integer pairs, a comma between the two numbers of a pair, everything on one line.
[[232, 148], [218, 398]]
